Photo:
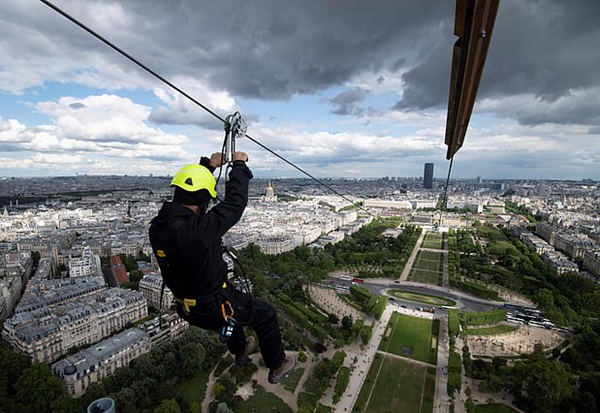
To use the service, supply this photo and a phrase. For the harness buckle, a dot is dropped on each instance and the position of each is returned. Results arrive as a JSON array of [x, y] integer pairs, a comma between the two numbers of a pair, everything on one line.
[[187, 303]]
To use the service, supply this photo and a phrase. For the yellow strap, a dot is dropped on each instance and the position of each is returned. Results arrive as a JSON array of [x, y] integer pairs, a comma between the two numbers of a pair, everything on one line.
[[187, 303]]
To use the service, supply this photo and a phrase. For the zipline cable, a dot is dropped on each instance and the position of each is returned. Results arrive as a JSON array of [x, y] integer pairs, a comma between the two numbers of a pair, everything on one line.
[[175, 87], [444, 204]]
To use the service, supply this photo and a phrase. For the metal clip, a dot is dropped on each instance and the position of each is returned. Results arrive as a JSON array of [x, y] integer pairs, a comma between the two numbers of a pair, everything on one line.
[[235, 128]]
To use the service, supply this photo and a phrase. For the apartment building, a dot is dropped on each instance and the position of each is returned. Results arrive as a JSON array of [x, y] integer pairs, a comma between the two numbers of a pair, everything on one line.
[[150, 287], [101, 360], [275, 244], [591, 262], [85, 265], [48, 332]]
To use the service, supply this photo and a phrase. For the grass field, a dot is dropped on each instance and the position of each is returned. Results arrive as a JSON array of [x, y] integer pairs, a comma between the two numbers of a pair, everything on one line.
[[422, 298], [494, 408], [418, 334], [432, 240], [427, 268], [262, 402], [192, 390], [423, 276], [291, 380], [309, 391], [396, 385], [430, 256], [490, 331]]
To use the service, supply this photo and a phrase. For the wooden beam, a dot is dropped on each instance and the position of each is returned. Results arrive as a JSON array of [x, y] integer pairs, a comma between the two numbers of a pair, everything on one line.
[[474, 24]]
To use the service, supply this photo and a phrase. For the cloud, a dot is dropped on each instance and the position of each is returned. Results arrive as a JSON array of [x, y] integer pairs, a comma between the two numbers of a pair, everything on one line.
[[383, 71], [538, 48], [108, 128], [260, 50], [179, 110], [105, 118], [345, 103]]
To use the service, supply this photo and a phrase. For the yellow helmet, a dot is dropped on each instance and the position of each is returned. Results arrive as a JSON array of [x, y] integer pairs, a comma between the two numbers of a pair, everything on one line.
[[194, 177]]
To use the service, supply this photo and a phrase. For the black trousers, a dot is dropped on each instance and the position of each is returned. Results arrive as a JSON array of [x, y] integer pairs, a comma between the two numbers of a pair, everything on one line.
[[249, 311]]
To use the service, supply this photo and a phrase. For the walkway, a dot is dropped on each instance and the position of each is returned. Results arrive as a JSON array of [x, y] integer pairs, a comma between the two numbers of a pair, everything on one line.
[[364, 358], [441, 402], [411, 260]]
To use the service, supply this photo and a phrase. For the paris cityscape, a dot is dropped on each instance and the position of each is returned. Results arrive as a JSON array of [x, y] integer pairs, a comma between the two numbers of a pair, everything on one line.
[[66, 284], [299, 207]]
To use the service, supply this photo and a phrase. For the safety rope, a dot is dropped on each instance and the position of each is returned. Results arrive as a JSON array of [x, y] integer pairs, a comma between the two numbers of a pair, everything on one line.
[[192, 99]]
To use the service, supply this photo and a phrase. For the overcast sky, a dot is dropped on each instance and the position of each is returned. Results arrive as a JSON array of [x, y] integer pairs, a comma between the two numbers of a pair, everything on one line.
[[342, 88]]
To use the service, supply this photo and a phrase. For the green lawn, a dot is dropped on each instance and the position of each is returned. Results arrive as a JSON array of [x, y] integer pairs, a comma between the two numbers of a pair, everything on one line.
[[192, 390], [262, 402], [309, 391], [291, 380], [418, 334], [425, 276], [429, 390], [489, 331], [365, 391], [427, 268], [394, 385], [494, 408], [430, 255], [421, 298], [433, 241]]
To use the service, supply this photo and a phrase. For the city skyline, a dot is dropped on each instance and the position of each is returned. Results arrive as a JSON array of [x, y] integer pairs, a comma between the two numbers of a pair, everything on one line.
[[339, 91]]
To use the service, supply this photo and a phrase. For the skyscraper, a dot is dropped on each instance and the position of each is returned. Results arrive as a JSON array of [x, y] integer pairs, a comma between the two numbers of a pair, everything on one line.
[[428, 176]]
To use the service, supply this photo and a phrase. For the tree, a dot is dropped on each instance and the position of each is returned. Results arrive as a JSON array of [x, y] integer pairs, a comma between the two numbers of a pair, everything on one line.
[[37, 388], [347, 322], [192, 357], [223, 408], [66, 404], [126, 400], [168, 406], [547, 383]]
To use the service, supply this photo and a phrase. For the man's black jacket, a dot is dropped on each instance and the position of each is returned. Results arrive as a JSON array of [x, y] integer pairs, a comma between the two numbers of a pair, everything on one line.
[[192, 242]]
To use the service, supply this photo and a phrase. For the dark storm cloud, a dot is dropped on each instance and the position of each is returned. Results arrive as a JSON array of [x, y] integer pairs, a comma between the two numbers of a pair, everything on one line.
[[269, 50], [546, 48], [260, 49], [345, 102]]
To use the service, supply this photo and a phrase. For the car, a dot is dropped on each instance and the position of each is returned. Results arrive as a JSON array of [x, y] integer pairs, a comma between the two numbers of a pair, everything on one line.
[[392, 298], [403, 306]]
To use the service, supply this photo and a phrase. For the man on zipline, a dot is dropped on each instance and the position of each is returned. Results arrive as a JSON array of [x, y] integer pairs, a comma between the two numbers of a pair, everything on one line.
[[186, 240]]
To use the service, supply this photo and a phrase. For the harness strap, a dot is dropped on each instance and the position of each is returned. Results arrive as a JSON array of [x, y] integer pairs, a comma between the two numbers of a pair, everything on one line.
[[188, 303]]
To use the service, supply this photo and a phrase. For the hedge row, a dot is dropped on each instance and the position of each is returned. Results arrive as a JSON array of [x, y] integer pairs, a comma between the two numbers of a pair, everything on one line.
[[341, 383], [454, 373], [453, 323], [477, 290], [484, 317]]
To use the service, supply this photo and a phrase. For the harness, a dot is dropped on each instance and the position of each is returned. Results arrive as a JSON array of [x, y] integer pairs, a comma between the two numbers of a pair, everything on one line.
[[221, 297]]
